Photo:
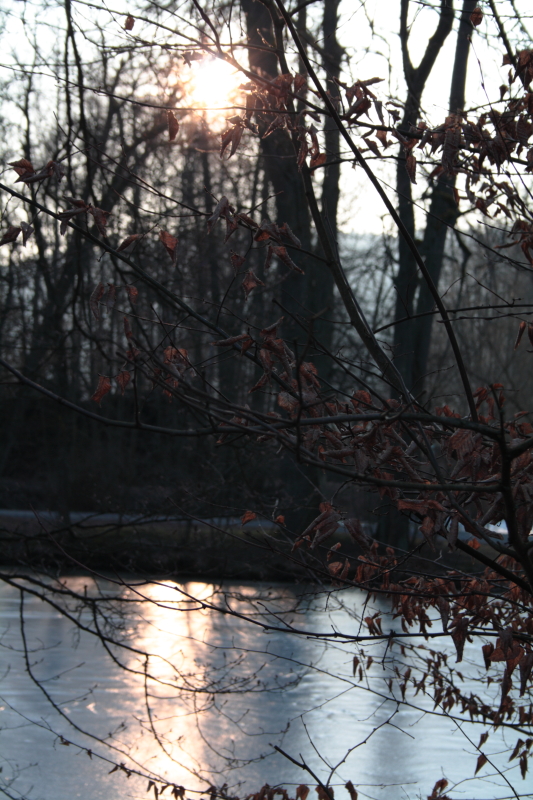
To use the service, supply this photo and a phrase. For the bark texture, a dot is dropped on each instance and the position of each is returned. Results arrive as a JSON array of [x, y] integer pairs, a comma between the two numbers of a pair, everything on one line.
[[406, 281]]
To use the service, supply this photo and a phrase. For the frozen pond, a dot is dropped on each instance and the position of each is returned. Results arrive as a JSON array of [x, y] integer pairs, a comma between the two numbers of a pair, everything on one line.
[[214, 696]]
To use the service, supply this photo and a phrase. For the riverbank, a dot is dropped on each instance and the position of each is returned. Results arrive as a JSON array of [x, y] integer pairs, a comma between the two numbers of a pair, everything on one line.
[[218, 548]]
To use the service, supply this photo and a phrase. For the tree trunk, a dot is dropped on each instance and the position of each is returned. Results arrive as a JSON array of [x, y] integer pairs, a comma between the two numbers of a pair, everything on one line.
[[407, 279], [321, 284], [393, 527], [279, 160], [443, 212], [300, 295]]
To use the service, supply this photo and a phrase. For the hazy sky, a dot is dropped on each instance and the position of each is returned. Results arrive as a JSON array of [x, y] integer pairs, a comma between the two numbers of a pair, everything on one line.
[[371, 53], [369, 32]]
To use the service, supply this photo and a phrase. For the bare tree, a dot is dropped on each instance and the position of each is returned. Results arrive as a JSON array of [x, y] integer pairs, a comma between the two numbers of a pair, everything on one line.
[[155, 311]]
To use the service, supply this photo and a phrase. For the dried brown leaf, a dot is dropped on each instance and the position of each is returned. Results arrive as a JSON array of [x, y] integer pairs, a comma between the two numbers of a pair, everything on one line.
[[236, 139], [303, 151], [10, 235], [318, 161], [104, 386], [444, 608], [521, 329], [410, 166], [523, 766], [526, 665], [482, 739], [351, 788], [382, 136], [518, 746], [111, 295], [286, 231], [452, 142], [459, 632], [250, 282], [282, 254], [335, 568], [263, 380], [129, 240], [481, 761], [232, 339], [487, 650], [225, 140], [222, 209], [299, 83], [27, 231], [277, 122], [66, 216], [476, 17], [355, 529], [287, 402], [22, 167], [100, 217], [133, 293], [236, 261], [123, 378], [173, 126], [170, 244], [269, 256], [371, 144], [438, 789], [95, 298]]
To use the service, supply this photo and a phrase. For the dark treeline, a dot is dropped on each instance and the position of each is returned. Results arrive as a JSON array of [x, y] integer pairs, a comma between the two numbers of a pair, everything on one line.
[[107, 146]]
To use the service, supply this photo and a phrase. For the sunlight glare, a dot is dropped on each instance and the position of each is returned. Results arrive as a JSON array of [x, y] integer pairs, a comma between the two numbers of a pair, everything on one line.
[[213, 84]]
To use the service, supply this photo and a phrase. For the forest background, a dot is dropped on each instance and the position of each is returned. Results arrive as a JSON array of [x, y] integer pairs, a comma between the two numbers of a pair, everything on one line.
[[265, 284], [58, 461]]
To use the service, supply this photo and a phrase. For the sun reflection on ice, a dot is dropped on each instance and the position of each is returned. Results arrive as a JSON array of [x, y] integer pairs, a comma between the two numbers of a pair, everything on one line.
[[183, 674]]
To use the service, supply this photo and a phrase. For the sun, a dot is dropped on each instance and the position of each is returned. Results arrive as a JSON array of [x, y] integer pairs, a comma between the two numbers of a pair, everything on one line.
[[213, 84]]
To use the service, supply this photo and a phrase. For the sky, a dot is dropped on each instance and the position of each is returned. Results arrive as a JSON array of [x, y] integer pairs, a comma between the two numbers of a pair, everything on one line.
[[369, 33], [372, 54]]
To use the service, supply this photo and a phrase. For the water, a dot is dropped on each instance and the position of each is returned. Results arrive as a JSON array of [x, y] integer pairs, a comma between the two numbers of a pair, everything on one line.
[[221, 692]]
